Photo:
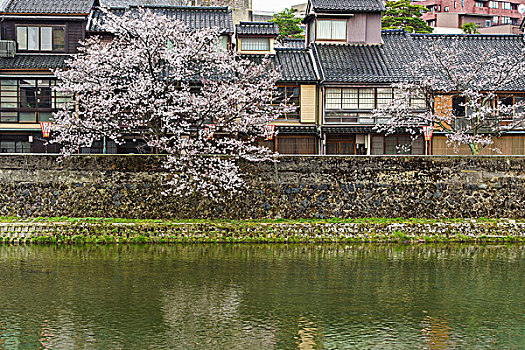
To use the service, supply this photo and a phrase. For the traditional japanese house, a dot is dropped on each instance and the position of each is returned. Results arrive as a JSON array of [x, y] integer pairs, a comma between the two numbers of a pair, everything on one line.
[[296, 132], [36, 37], [510, 92], [357, 63]]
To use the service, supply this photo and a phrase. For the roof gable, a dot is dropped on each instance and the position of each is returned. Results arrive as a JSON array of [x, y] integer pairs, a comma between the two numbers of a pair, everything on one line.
[[346, 6]]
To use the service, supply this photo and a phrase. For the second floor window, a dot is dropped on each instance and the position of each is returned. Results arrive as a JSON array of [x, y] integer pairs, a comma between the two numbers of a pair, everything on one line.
[[255, 44], [479, 4], [39, 38], [365, 98], [331, 29], [506, 5], [493, 4], [289, 94]]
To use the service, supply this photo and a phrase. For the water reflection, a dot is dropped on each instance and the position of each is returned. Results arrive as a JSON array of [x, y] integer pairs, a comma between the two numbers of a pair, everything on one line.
[[262, 297]]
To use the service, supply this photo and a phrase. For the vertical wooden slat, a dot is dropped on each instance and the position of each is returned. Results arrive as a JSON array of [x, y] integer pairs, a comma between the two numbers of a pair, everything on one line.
[[308, 99]]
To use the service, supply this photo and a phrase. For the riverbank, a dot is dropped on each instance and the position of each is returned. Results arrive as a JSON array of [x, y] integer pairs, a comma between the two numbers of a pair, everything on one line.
[[63, 230]]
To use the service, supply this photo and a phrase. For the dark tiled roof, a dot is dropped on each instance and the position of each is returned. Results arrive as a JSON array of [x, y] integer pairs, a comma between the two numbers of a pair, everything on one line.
[[193, 17], [299, 129], [347, 129], [257, 28], [347, 6], [292, 43], [295, 65], [34, 62], [470, 47], [391, 61], [49, 6], [128, 3], [358, 63]]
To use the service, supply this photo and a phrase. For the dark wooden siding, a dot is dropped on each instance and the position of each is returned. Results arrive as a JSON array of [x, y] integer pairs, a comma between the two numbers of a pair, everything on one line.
[[75, 30], [75, 33], [300, 144], [504, 145]]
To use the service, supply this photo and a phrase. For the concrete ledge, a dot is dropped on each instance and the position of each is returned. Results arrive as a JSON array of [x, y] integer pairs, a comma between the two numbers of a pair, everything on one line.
[[260, 232]]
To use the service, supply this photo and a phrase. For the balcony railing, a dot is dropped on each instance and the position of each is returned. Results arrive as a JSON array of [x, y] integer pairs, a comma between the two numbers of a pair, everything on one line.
[[352, 118]]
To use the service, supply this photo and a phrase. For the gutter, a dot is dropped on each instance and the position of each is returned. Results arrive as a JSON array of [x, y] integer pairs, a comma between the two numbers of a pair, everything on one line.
[[37, 17]]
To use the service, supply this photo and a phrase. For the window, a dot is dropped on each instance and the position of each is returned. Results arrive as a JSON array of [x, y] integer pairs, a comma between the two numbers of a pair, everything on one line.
[[8, 146], [495, 19], [493, 4], [458, 106], [455, 4], [505, 20], [479, 4], [223, 42], [331, 29], [384, 96], [396, 144], [418, 101], [40, 38], [446, 9], [255, 44], [289, 94], [357, 98], [366, 98], [29, 100], [432, 23], [9, 93], [506, 5], [488, 23]]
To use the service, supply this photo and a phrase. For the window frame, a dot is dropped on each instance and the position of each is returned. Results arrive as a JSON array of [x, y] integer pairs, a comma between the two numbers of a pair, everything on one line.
[[357, 90], [331, 20], [295, 116], [40, 26], [56, 100], [244, 40]]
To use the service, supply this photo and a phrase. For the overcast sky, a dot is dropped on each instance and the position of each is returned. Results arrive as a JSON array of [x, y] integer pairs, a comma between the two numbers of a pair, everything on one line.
[[274, 5]]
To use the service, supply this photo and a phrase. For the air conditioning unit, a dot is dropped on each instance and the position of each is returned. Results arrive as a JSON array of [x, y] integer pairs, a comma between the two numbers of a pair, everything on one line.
[[7, 48]]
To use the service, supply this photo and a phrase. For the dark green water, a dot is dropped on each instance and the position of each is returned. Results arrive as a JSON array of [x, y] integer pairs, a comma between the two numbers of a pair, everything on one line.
[[262, 297]]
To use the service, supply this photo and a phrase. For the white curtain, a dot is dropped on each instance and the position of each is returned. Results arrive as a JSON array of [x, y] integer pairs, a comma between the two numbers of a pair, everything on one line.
[[21, 38], [324, 30], [338, 30], [33, 39], [46, 35]]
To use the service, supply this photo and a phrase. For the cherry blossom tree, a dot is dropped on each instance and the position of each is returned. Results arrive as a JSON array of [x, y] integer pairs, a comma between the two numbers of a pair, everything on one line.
[[176, 89], [462, 92]]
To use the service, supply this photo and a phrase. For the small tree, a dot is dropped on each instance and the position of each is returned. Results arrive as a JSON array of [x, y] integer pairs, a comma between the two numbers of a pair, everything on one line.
[[163, 83], [449, 76], [405, 15], [470, 28], [288, 24]]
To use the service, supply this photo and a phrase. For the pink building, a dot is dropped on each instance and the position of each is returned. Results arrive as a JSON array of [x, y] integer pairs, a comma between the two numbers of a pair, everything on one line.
[[491, 16]]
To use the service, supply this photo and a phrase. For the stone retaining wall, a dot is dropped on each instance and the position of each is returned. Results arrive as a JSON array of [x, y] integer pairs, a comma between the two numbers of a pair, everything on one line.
[[296, 187]]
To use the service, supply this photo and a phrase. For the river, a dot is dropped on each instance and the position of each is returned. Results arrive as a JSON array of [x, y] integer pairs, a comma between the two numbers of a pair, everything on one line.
[[262, 297]]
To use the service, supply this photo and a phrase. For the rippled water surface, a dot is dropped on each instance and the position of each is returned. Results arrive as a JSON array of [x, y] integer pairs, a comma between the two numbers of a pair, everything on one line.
[[262, 297]]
